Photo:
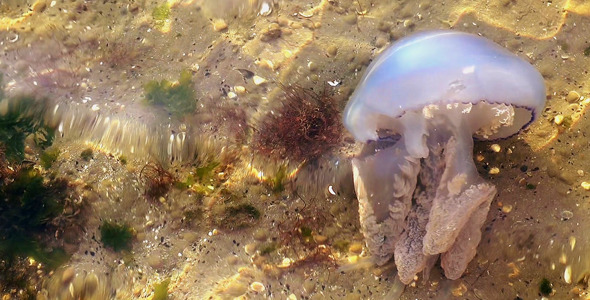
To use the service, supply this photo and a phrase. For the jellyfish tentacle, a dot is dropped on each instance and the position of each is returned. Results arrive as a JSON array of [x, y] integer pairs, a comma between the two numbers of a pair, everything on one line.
[[384, 184], [409, 257], [461, 191], [455, 260]]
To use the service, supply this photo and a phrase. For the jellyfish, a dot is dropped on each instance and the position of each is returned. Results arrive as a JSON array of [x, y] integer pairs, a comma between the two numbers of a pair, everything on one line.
[[418, 109]]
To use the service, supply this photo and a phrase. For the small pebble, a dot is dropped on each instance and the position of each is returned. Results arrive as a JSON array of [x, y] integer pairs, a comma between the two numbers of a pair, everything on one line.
[[231, 95], [381, 42], [257, 287], [265, 63], [356, 248], [219, 25], [572, 96], [350, 19], [320, 239], [261, 234], [495, 147], [312, 66], [586, 185], [240, 90], [296, 25], [282, 21], [494, 171], [155, 261], [558, 119], [235, 289], [285, 263], [250, 248], [506, 208], [332, 50]]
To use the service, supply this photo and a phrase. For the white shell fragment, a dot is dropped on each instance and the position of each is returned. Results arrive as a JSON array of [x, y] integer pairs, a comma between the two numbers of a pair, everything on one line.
[[258, 80]]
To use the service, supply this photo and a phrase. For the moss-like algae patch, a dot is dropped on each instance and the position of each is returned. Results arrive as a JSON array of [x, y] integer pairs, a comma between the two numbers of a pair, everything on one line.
[[28, 210], [177, 97], [28, 207], [48, 157], [20, 122], [87, 154], [116, 236], [545, 287], [239, 216]]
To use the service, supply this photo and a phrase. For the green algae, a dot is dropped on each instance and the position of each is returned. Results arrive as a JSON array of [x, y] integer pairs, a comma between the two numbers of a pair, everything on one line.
[[238, 216], [268, 248], [161, 14], [20, 122], [87, 154], [178, 98], [246, 209], [27, 213], [116, 236], [545, 287], [48, 157], [161, 290], [341, 245], [205, 172], [277, 182], [306, 234]]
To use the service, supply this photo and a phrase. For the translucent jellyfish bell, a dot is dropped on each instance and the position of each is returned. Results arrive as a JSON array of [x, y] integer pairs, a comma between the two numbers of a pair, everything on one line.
[[418, 107]]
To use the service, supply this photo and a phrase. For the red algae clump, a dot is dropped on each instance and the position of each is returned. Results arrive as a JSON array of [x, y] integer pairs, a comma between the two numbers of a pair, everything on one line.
[[304, 128]]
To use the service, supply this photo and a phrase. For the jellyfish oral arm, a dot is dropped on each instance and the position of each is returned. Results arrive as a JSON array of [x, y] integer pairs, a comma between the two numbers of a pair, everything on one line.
[[420, 204], [384, 184]]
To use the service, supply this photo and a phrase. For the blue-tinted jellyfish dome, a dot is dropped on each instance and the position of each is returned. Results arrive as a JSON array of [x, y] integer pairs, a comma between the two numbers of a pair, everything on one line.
[[418, 107]]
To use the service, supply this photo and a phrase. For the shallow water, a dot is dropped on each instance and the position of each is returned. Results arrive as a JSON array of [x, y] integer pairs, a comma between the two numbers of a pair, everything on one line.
[[237, 215]]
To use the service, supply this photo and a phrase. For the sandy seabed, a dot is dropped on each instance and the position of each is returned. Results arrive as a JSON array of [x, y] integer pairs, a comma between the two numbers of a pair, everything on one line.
[[255, 226]]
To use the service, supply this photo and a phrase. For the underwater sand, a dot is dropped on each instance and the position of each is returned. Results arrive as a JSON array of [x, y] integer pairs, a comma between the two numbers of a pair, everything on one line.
[[248, 225]]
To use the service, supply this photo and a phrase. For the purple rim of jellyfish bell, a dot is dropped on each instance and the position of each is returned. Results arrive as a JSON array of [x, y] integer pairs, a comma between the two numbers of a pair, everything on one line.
[[414, 69]]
